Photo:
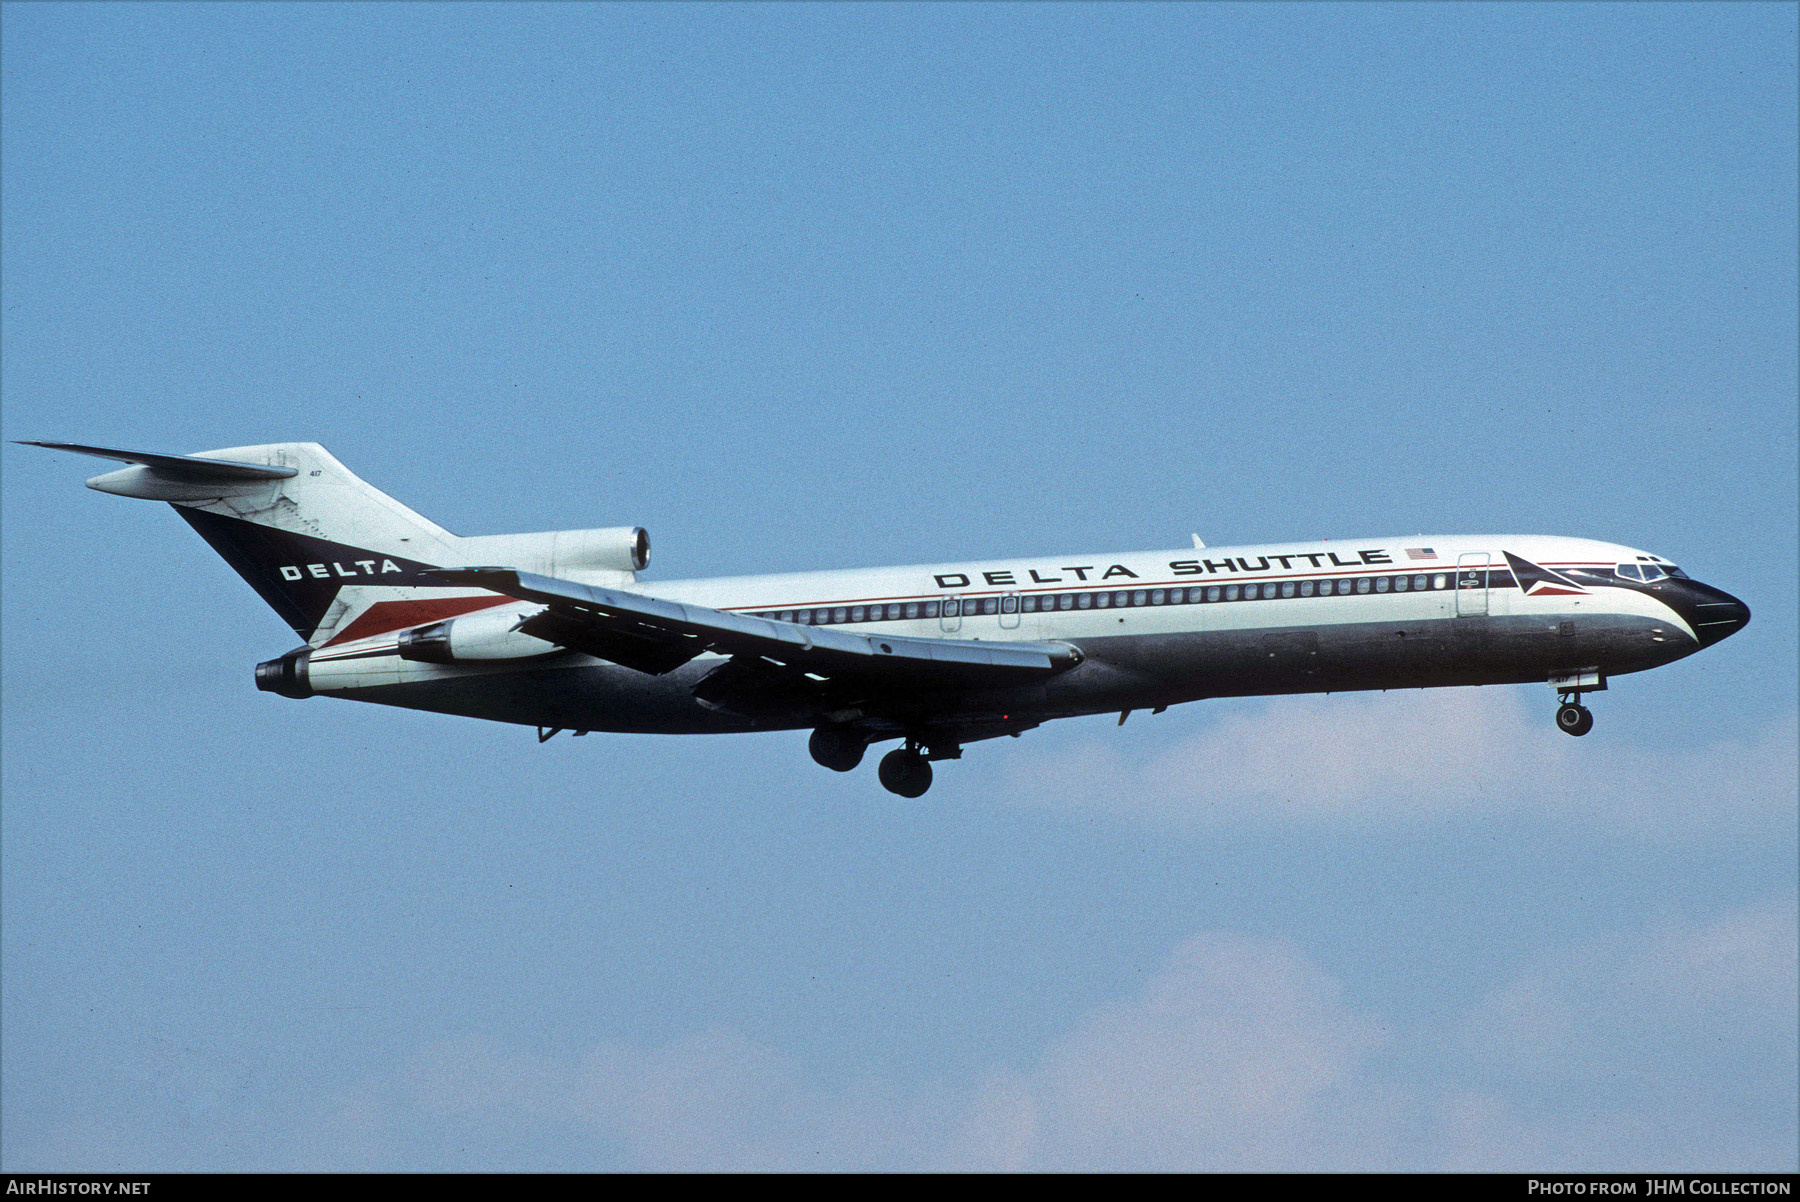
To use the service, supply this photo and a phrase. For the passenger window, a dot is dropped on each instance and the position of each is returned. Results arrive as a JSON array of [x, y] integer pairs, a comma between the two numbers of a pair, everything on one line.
[[1306, 588], [1066, 601], [930, 610], [1102, 600], [1399, 584], [990, 605], [1156, 596], [1212, 594], [1439, 580], [912, 609], [1381, 584], [952, 608], [1231, 592], [1009, 605], [1084, 600], [1140, 597], [856, 613], [1287, 588]]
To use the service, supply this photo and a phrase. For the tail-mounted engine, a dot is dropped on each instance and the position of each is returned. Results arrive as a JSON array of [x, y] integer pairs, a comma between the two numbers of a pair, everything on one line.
[[562, 552], [287, 675], [473, 637]]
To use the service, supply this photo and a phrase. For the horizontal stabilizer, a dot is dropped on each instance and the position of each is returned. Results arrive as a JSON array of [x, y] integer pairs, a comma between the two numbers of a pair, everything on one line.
[[178, 467]]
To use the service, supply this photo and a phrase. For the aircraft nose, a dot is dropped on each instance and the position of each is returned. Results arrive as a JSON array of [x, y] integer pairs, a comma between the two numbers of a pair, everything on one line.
[[1719, 615]]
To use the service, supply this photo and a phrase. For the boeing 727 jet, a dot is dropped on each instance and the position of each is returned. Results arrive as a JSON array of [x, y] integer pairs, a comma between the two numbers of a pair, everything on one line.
[[556, 630]]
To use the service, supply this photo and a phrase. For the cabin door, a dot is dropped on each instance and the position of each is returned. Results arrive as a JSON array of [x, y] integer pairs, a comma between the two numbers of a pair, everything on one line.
[[1472, 584], [1009, 611]]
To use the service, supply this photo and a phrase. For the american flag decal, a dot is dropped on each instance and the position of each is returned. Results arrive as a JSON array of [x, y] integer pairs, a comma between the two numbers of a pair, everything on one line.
[[1420, 553]]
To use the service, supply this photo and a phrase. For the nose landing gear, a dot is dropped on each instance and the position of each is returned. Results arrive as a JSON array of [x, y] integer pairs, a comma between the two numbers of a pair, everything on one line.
[[1574, 718]]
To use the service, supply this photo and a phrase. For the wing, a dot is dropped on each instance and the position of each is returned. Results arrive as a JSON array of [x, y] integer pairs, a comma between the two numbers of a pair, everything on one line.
[[771, 663]]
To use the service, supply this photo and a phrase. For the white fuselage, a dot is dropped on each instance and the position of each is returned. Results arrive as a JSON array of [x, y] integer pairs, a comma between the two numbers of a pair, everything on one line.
[[1153, 628]]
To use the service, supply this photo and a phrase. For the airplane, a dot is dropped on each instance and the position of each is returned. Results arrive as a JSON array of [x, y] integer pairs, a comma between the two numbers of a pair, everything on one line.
[[555, 630]]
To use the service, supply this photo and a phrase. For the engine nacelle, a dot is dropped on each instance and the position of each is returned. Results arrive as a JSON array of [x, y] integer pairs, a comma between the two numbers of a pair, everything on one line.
[[472, 638], [562, 552]]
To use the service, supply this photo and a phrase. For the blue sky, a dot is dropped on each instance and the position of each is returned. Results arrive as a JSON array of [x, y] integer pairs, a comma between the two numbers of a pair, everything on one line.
[[830, 286]]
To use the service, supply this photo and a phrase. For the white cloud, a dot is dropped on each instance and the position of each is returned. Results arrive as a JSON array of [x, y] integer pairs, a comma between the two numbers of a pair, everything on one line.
[[1238, 1054], [1604, 1010], [1401, 757]]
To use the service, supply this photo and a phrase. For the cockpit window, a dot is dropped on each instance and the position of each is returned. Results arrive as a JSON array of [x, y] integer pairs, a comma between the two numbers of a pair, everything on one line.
[[1652, 572], [1628, 571], [1676, 572]]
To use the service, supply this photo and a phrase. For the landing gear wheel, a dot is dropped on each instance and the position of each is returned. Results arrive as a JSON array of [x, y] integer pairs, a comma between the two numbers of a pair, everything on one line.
[[1574, 719], [905, 772], [836, 749]]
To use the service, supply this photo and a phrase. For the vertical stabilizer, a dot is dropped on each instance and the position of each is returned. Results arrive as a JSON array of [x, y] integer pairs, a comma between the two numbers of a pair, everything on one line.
[[305, 532], [337, 558]]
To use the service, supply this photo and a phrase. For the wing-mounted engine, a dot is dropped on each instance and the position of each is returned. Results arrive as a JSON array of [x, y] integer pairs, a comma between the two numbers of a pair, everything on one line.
[[472, 638]]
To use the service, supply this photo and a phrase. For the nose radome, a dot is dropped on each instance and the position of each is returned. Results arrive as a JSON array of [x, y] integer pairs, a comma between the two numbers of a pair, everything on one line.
[[1719, 616]]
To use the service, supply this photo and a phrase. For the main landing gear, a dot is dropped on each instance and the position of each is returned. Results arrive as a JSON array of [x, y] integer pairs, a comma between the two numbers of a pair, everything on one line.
[[1572, 717], [906, 770], [838, 749]]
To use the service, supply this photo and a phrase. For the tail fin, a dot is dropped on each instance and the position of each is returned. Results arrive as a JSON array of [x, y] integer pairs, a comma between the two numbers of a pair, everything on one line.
[[337, 558], [295, 523]]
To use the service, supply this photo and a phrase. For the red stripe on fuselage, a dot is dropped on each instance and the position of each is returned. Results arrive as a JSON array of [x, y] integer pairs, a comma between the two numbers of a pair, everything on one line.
[[384, 616]]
